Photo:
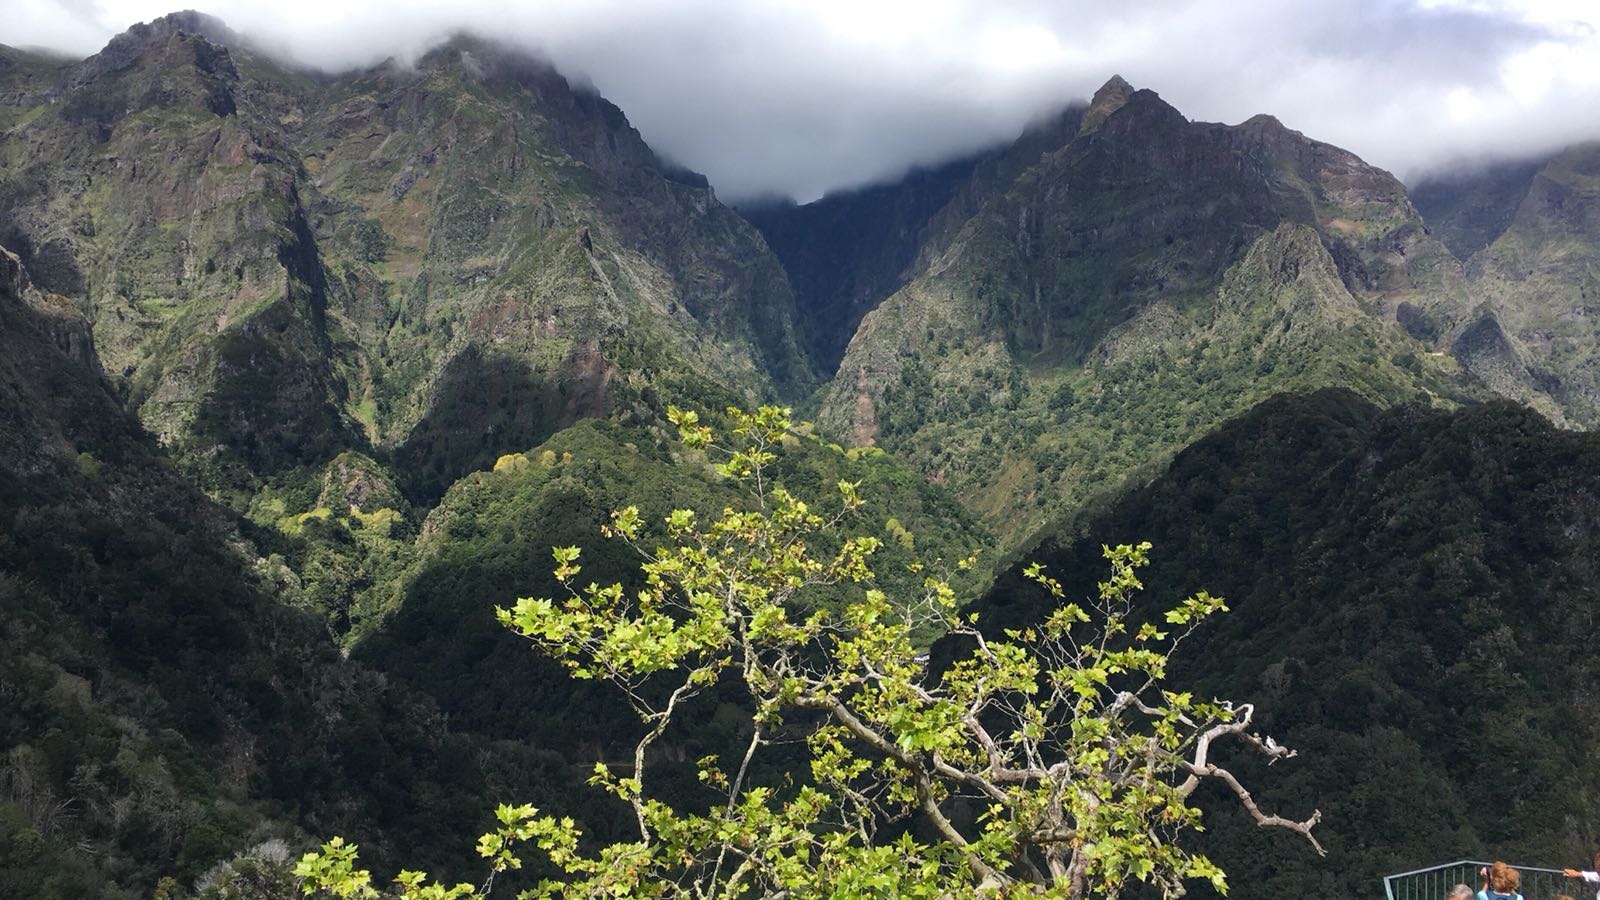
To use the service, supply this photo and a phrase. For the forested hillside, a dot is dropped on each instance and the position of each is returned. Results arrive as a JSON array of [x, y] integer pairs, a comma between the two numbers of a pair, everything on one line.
[[175, 692], [1413, 596], [489, 542], [163, 708]]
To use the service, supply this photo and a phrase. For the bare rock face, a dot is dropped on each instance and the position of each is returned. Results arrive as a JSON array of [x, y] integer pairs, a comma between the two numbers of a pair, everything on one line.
[[1142, 272], [279, 268], [1529, 235], [125, 49], [355, 482], [54, 404], [13, 280], [60, 320], [1108, 99]]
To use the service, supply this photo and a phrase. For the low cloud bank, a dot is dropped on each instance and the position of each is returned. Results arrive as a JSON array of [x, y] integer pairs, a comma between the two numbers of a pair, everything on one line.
[[799, 97]]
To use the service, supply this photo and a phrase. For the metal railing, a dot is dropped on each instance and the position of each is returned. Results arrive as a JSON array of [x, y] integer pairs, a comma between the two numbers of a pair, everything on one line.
[[1435, 882]]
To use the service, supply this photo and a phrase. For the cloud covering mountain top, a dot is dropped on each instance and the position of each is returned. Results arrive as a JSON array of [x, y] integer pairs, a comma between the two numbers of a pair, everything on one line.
[[798, 97]]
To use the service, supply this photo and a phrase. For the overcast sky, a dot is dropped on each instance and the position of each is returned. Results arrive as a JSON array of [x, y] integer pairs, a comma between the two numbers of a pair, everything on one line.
[[799, 97]]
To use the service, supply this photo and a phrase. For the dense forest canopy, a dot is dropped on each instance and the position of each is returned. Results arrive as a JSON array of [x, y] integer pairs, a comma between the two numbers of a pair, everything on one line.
[[1413, 595]]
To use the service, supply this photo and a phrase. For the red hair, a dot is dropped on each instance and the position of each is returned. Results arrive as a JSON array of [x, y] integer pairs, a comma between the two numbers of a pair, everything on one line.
[[1503, 879]]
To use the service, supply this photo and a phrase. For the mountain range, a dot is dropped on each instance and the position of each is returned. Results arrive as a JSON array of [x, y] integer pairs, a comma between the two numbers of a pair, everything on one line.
[[303, 372]]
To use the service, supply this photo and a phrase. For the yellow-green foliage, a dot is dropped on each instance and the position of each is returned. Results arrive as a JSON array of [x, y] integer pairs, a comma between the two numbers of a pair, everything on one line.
[[89, 466], [512, 462], [1065, 739], [296, 524], [379, 521], [899, 534], [30, 117]]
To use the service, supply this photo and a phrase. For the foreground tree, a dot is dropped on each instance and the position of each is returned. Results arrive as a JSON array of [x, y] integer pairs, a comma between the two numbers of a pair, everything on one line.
[[1053, 761]]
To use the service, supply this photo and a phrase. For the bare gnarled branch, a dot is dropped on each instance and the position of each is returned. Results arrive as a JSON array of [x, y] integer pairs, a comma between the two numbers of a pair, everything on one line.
[[1200, 767]]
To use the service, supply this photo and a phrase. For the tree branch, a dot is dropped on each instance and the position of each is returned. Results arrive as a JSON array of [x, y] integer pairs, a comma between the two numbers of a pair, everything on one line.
[[1261, 818], [1200, 767], [919, 774]]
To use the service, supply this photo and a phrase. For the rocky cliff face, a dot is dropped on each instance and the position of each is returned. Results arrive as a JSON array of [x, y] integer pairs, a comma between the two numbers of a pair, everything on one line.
[[330, 296], [849, 250], [139, 191], [280, 265], [1469, 208], [50, 391], [1121, 231], [1112, 273], [1529, 234]]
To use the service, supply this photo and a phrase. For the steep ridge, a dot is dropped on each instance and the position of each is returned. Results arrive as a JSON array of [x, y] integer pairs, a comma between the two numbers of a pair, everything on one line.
[[850, 249], [138, 190], [445, 262], [160, 708], [1135, 285], [530, 234], [847, 251], [1468, 209], [350, 304], [1529, 233], [1411, 594], [310, 286]]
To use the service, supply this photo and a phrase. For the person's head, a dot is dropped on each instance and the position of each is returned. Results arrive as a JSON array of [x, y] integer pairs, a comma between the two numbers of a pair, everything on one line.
[[1597, 860], [1460, 892], [1503, 879]]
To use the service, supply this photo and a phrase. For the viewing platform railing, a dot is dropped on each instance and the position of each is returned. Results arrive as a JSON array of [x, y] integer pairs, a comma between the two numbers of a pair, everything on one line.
[[1435, 882]]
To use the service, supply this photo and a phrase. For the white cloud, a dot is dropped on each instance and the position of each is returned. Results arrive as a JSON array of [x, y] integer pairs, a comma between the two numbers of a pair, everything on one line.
[[801, 96]]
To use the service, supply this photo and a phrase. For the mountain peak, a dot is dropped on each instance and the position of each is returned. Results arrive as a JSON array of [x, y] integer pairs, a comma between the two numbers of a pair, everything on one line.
[[1116, 84], [1107, 100], [125, 49], [1264, 124], [186, 21]]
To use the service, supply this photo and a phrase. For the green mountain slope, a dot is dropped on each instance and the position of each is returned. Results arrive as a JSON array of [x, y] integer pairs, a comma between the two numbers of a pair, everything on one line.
[[488, 543], [1529, 233], [1124, 291], [847, 251], [1412, 596], [164, 704], [444, 263], [160, 708], [301, 374], [329, 298]]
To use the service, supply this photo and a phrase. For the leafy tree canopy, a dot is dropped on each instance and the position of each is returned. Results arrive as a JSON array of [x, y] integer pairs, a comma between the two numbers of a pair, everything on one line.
[[1053, 761]]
